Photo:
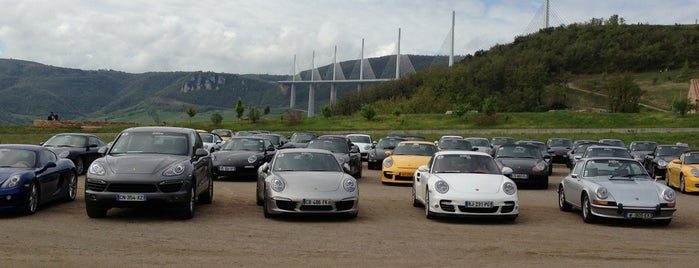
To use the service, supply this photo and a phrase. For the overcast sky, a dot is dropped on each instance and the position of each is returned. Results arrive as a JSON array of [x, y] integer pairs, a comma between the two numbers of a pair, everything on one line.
[[262, 36]]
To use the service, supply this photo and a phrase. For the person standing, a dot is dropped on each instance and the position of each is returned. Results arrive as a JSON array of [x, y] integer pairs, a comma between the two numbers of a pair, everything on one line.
[[51, 116]]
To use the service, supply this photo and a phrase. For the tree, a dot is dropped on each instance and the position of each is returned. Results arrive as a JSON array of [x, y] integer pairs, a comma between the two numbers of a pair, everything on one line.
[[253, 113], [191, 112], [216, 119], [368, 111], [327, 111], [266, 111], [490, 106], [239, 108], [623, 94], [682, 106]]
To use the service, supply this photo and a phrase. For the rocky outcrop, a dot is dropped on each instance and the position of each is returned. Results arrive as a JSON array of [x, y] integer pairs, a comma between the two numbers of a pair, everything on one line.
[[203, 81]]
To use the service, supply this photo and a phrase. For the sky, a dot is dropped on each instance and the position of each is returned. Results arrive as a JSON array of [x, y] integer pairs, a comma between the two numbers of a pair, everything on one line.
[[262, 36]]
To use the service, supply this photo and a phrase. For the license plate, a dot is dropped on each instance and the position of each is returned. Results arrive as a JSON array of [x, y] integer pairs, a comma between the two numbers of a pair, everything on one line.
[[406, 174], [520, 176], [479, 204], [316, 202], [225, 168], [131, 197], [639, 215]]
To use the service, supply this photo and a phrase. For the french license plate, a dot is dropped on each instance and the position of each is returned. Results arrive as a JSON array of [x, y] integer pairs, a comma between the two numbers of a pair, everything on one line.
[[520, 176], [131, 197], [406, 174], [316, 202], [479, 204], [226, 168], [639, 215]]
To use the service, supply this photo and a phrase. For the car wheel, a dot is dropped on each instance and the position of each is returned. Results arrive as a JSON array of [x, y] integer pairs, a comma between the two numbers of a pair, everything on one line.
[[667, 178], [79, 165], [95, 211], [428, 213], [587, 210], [682, 186], [71, 187], [32, 201], [208, 197], [265, 210], [187, 210], [663, 222], [359, 173], [563, 205], [415, 202], [258, 198]]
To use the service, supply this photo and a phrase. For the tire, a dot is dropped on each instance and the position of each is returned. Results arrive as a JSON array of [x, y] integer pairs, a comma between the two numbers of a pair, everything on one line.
[[667, 178], [32, 199], [258, 199], [359, 173], [682, 185], [94, 211], [428, 213], [663, 222], [415, 202], [208, 197], [587, 210], [79, 165], [563, 205], [187, 209], [265, 210], [71, 187]]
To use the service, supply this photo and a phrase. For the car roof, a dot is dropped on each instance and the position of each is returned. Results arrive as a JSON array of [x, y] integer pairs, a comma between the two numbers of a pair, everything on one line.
[[303, 150], [461, 152], [418, 142], [30, 147], [165, 129]]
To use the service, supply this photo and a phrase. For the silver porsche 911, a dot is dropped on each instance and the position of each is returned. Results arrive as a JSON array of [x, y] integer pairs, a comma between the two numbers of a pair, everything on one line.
[[306, 181], [618, 188]]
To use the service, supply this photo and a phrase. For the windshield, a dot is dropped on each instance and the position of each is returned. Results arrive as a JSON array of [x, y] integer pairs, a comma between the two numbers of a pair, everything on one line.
[[614, 168], [479, 142], [66, 141], [305, 161], [17, 158], [274, 139], [206, 137], [333, 145], [151, 142], [503, 141], [691, 159], [302, 137], [223, 133], [465, 163], [388, 143], [244, 144], [671, 150], [607, 152], [415, 149], [613, 142], [559, 143], [455, 145], [359, 138], [643, 146], [508, 151]]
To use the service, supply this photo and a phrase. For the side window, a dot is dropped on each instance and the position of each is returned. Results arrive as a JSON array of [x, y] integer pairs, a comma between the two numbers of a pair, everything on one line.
[[578, 169], [46, 156], [93, 140], [198, 143]]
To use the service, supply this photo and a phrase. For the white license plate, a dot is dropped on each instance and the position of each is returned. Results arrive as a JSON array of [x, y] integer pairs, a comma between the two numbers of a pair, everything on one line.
[[226, 168], [316, 202], [520, 176], [131, 197], [639, 215], [479, 204]]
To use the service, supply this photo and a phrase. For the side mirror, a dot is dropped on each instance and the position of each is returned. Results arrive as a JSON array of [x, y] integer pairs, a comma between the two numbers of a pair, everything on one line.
[[423, 168], [577, 157], [507, 171], [102, 150], [346, 168], [574, 175], [388, 153], [200, 152], [354, 149], [264, 168]]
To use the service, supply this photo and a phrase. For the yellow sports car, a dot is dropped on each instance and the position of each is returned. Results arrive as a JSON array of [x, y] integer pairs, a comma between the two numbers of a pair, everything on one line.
[[683, 173], [401, 163]]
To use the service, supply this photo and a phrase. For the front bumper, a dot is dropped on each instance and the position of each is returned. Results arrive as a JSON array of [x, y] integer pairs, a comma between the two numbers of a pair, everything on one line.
[[626, 212], [153, 193], [13, 198], [285, 204], [235, 170], [398, 175], [455, 206]]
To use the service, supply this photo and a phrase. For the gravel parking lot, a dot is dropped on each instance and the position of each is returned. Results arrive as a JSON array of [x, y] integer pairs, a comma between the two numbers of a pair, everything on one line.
[[389, 231]]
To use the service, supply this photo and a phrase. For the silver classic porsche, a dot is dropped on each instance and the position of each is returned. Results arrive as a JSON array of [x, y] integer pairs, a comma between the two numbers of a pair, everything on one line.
[[306, 181], [615, 188]]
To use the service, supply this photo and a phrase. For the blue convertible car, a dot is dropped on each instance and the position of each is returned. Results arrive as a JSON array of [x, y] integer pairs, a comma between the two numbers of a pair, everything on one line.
[[32, 175]]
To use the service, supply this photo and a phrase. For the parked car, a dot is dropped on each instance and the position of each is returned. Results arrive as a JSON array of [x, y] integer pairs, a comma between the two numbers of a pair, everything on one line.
[[640, 149], [241, 157], [616, 188], [613, 142], [151, 166], [545, 152], [604, 151], [277, 140], [527, 164], [401, 163], [306, 181], [212, 142], [497, 141], [578, 151], [482, 144], [299, 140], [363, 141], [464, 184], [32, 175], [559, 147], [225, 134], [455, 144], [683, 173], [656, 161], [81, 148], [377, 153], [343, 149], [448, 137]]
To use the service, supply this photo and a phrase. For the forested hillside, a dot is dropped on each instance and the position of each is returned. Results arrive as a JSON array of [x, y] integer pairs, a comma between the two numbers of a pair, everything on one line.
[[530, 74]]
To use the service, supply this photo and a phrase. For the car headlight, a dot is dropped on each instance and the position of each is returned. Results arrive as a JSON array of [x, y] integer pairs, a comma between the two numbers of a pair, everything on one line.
[[694, 172], [64, 154], [441, 186], [602, 193], [541, 166], [388, 162], [662, 163], [509, 188], [96, 169], [278, 184], [174, 170], [11, 182], [341, 160], [669, 195], [252, 159], [349, 184]]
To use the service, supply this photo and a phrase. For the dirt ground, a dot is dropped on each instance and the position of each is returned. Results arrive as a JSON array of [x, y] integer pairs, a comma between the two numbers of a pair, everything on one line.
[[388, 232]]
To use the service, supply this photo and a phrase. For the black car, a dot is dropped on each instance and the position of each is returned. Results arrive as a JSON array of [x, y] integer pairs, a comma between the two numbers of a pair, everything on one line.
[[164, 167], [277, 140], [377, 153], [497, 141], [640, 149], [656, 162], [80, 148], [559, 147], [242, 156], [343, 149], [528, 165], [455, 144], [299, 140], [545, 152], [578, 150]]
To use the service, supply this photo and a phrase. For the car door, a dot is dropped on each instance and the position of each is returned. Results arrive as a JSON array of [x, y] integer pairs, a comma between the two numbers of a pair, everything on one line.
[[574, 183], [201, 164], [49, 178], [420, 180]]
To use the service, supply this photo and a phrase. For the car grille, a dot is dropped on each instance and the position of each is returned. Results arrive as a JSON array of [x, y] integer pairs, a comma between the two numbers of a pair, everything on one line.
[[132, 188], [446, 205], [344, 205], [316, 208], [286, 205], [169, 188], [508, 207], [97, 187], [478, 210]]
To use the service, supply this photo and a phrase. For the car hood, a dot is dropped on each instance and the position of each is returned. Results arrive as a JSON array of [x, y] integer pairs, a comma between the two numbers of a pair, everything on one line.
[[519, 162], [140, 164], [5, 173], [633, 192], [232, 156], [59, 150], [311, 181], [410, 161], [473, 183]]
